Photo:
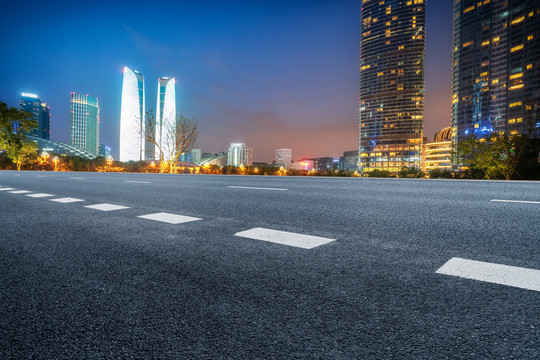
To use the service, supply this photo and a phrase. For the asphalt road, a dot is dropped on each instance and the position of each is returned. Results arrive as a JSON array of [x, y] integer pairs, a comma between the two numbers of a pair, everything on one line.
[[77, 282]]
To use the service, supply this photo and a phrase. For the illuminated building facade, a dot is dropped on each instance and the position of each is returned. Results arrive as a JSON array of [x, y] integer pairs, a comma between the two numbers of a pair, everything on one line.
[[283, 157], [391, 96], [239, 154], [132, 126], [166, 117], [40, 112], [438, 154], [496, 67], [84, 123]]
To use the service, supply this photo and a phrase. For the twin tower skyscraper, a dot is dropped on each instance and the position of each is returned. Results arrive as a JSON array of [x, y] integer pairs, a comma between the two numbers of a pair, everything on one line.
[[135, 129]]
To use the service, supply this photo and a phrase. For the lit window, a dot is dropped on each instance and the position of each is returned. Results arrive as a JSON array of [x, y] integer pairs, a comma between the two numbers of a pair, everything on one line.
[[468, 43], [530, 37], [516, 87], [516, 76], [514, 104], [485, 43], [517, 20], [516, 48], [529, 66], [468, 9]]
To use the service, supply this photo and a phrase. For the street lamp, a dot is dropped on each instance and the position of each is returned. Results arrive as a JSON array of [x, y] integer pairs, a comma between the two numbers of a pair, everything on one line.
[[55, 160], [109, 161]]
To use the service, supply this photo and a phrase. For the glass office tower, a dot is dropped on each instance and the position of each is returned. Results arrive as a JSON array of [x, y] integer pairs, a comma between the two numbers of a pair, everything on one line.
[[132, 117], [391, 96], [166, 117], [496, 67], [84, 123], [40, 112]]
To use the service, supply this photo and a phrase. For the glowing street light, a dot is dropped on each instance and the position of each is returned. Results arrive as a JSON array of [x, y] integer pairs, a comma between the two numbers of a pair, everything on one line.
[[109, 161], [55, 160]]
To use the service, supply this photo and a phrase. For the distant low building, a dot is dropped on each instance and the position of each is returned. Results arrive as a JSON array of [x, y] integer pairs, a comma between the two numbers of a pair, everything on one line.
[[60, 148], [438, 154], [259, 164], [349, 161], [194, 156], [283, 157], [323, 163], [239, 154], [302, 164]]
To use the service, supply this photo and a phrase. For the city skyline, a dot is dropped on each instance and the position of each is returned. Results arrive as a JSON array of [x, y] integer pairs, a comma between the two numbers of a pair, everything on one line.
[[274, 74]]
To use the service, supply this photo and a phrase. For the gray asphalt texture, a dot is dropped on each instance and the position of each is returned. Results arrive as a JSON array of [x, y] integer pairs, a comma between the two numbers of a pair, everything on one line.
[[81, 283]]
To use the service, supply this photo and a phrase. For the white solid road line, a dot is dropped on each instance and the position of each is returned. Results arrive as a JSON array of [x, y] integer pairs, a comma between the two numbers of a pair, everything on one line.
[[66, 200], [6, 189], [169, 218], [77, 178], [285, 238], [517, 201], [20, 192], [256, 188], [137, 182], [493, 273], [40, 195], [107, 207]]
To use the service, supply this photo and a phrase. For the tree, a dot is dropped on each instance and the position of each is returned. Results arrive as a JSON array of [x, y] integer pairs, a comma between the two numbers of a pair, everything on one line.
[[174, 139], [14, 127], [20, 152]]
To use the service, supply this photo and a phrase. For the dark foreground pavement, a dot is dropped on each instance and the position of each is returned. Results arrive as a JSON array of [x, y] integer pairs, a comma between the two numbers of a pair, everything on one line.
[[77, 282]]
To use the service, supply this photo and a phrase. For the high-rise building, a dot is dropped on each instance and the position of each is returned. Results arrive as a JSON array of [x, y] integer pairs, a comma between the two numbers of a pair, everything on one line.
[[496, 67], [166, 118], [391, 96], [40, 112], [283, 157], [132, 117], [239, 154], [84, 123]]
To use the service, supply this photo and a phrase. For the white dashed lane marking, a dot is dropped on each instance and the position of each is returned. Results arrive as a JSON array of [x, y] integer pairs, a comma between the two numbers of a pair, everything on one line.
[[40, 195], [106, 207], [20, 192], [6, 189], [169, 218], [256, 188], [493, 273], [285, 238], [41, 176], [517, 201], [137, 182], [66, 200]]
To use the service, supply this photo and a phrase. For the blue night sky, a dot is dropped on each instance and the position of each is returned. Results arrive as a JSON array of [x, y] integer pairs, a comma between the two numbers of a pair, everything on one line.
[[272, 74]]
